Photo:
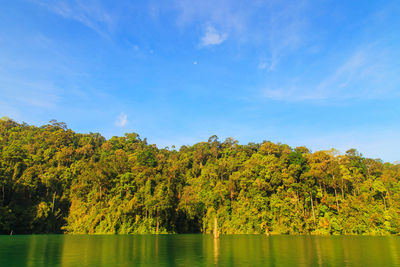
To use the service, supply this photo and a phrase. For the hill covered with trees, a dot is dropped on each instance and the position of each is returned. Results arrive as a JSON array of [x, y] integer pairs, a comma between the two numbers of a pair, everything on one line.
[[53, 180]]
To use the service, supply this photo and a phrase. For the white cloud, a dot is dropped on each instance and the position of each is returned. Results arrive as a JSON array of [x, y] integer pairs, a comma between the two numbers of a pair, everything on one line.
[[212, 37], [122, 120]]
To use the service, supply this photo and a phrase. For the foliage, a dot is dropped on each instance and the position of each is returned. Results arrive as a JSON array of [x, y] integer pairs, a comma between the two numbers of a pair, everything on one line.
[[54, 180]]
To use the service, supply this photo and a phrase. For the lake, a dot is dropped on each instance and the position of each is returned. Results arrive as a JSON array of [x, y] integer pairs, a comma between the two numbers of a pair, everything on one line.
[[198, 250]]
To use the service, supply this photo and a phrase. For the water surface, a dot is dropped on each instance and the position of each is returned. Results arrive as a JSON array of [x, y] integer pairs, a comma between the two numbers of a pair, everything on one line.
[[198, 250]]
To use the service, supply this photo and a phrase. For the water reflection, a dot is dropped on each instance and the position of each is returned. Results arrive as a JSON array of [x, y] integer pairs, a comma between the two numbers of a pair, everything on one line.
[[198, 250], [216, 250]]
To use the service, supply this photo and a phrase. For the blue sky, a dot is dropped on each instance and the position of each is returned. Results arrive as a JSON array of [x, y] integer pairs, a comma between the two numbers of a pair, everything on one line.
[[317, 73]]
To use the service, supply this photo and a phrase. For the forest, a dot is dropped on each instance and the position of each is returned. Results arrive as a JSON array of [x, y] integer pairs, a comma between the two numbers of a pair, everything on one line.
[[54, 180]]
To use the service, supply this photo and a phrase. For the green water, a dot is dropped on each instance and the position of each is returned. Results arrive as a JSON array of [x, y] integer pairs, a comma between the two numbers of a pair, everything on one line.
[[198, 250]]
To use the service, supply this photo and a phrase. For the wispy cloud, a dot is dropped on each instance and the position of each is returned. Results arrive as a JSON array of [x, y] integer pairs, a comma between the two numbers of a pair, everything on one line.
[[40, 94], [225, 14], [262, 65], [221, 18], [286, 29], [367, 72], [371, 143], [212, 37], [121, 120], [292, 94], [278, 28], [90, 13]]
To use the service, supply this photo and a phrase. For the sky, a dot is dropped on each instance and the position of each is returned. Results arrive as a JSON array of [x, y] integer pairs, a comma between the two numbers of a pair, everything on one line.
[[324, 74]]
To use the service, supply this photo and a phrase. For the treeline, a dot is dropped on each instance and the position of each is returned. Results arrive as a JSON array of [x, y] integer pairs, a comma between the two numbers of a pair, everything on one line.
[[53, 180]]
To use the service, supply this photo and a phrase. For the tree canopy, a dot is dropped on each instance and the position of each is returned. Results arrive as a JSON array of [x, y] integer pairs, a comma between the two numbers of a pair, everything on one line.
[[53, 180]]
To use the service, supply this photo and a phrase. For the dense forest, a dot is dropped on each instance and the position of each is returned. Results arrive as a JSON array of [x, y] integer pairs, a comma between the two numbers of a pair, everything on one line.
[[53, 180]]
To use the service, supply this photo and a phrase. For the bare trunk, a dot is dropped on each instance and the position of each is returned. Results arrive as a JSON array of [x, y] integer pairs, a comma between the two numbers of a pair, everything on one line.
[[337, 202], [312, 207], [342, 189], [150, 222], [3, 193], [389, 196], [158, 223], [54, 199], [384, 202], [320, 188], [216, 233]]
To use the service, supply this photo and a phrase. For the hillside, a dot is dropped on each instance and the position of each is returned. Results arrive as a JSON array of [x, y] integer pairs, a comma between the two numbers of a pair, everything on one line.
[[53, 180]]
